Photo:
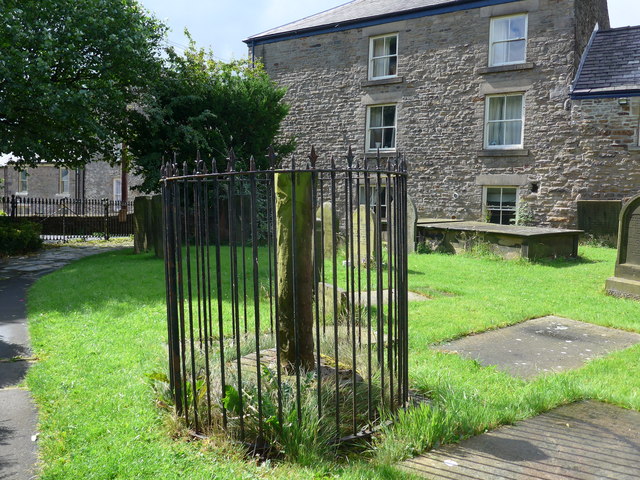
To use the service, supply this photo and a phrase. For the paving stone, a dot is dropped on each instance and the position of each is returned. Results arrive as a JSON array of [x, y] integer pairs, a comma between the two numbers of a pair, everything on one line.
[[547, 344], [18, 419], [582, 441]]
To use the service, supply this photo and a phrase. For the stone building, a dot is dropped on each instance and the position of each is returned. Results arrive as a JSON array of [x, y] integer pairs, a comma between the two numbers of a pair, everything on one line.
[[475, 93], [97, 180], [605, 115]]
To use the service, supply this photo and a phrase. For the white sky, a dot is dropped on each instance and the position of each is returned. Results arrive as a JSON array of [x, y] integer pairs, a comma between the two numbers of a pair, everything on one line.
[[222, 25]]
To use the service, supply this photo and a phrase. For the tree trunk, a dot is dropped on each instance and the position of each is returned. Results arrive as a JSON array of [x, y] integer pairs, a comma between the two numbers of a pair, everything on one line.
[[295, 268]]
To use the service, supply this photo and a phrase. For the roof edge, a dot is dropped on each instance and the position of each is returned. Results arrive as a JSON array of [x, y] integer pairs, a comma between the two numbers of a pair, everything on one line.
[[585, 54], [608, 93], [449, 7]]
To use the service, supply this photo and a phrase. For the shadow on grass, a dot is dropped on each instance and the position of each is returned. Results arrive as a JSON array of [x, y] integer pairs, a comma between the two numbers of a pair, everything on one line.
[[564, 262]]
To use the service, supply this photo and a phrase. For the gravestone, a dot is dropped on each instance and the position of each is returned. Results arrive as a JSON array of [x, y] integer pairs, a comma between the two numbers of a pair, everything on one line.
[[626, 280], [412, 224], [362, 236], [326, 226]]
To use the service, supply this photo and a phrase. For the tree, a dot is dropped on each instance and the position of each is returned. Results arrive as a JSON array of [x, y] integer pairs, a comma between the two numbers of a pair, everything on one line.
[[68, 71], [206, 107]]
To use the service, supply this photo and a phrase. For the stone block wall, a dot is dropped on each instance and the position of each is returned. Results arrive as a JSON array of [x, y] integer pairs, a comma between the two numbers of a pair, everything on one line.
[[42, 182], [440, 93]]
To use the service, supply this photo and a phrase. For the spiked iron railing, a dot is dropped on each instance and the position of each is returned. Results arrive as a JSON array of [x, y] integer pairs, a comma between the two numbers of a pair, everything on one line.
[[224, 270]]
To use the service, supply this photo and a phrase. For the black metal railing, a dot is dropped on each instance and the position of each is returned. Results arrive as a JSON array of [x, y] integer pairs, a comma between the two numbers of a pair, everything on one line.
[[66, 218], [268, 329]]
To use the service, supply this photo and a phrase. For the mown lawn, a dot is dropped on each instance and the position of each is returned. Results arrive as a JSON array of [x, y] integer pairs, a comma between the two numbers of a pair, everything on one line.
[[98, 327]]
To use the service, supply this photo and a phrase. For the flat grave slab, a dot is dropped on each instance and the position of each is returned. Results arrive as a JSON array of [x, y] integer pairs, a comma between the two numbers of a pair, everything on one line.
[[547, 344], [582, 441]]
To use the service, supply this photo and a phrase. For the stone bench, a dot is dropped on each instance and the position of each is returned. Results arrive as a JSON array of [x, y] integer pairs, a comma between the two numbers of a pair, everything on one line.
[[508, 241]]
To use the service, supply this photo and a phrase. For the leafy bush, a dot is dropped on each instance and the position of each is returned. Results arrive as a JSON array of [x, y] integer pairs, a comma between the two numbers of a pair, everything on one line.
[[18, 236]]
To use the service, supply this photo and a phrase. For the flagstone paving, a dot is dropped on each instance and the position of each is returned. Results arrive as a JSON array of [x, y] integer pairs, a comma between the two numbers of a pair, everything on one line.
[[582, 441], [542, 345]]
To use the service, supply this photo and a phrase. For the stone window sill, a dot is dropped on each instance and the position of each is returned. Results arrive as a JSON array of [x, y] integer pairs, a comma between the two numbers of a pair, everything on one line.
[[519, 152], [505, 68], [382, 81]]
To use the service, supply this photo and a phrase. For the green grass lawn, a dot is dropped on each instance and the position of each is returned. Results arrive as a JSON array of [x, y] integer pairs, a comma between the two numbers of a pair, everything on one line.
[[98, 327]]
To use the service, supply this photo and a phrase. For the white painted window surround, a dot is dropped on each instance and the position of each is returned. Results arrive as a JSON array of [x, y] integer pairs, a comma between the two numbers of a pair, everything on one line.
[[381, 128], [383, 56], [504, 121], [508, 40]]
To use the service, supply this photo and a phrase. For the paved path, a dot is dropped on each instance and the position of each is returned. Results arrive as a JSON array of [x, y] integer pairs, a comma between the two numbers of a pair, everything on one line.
[[583, 441], [18, 415]]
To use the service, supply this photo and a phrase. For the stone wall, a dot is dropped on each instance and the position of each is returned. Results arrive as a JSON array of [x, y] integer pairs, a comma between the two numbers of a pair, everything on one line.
[[440, 96], [607, 164], [42, 182], [586, 12]]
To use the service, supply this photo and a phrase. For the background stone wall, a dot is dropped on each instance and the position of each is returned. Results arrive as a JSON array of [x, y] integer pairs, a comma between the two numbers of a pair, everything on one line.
[[440, 97]]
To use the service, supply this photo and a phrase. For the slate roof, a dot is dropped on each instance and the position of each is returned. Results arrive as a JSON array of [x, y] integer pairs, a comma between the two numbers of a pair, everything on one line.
[[611, 64], [356, 10]]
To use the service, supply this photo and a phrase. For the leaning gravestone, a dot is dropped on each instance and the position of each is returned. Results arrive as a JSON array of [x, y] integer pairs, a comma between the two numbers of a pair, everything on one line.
[[363, 236], [626, 281], [412, 224]]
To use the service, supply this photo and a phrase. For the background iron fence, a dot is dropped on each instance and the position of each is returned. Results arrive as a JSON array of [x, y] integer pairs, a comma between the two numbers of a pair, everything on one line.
[[65, 218], [273, 325]]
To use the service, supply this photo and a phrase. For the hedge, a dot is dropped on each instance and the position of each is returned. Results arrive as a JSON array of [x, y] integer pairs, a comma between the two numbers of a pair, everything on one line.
[[18, 236]]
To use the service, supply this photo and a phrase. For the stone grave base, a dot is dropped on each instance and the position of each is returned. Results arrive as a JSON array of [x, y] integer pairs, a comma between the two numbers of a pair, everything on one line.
[[582, 441], [623, 287], [547, 344]]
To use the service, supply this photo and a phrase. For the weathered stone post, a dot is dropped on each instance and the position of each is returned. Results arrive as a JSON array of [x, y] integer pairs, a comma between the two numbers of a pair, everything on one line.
[[294, 232]]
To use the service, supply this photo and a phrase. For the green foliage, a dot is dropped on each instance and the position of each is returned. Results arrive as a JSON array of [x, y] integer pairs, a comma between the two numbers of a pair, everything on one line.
[[18, 236], [68, 71], [524, 215], [200, 105]]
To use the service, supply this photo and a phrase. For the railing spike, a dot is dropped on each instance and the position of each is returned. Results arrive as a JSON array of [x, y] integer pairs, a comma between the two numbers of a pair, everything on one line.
[[214, 166], [271, 154], [231, 161], [350, 157], [293, 162], [333, 163], [252, 164], [313, 157]]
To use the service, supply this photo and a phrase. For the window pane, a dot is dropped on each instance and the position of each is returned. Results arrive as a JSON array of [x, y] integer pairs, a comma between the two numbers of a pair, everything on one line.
[[375, 118], [499, 53], [513, 107], [516, 27], [493, 197], [378, 47], [393, 62], [495, 135], [392, 45], [389, 116], [389, 138], [375, 139], [516, 51], [509, 198], [513, 133], [500, 29], [496, 108], [379, 67]]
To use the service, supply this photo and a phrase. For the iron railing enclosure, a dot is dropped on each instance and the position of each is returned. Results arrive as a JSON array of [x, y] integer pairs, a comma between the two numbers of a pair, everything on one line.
[[65, 218], [221, 266]]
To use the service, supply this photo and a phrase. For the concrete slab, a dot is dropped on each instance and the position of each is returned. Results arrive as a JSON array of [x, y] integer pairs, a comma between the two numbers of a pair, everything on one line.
[[18, 419], [547, 344], [583, 441]]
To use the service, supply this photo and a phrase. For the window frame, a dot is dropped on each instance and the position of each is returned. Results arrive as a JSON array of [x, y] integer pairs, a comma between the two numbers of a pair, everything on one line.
[[368, 149], [493, 42], [62, 183], [371, 76], [487, 121], [117, 193], [485, 206]]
